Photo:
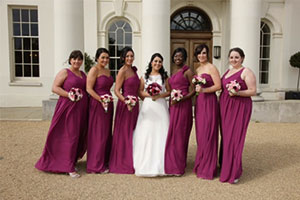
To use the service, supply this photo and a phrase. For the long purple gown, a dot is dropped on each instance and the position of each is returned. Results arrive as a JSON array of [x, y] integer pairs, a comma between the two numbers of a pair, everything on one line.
[[100, 128], [66, 137], [181, 121], [121, 157], [235, 116], [206, 121]]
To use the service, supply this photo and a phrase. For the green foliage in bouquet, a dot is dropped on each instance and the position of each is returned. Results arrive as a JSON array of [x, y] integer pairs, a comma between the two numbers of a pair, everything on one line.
[[295, 62], [88, 62]]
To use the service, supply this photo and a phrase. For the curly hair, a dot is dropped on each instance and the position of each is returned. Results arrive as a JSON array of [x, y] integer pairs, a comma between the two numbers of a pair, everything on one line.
[[162, 72]]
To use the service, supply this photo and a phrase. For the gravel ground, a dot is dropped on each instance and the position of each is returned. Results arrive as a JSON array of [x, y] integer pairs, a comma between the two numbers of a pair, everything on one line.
[[271, 162]]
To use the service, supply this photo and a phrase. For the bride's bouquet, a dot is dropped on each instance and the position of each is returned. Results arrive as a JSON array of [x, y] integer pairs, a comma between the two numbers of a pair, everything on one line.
[[198, 81], [176, 95], [75, 94], [233, 87], [105, 100], [130, 100], [154, 89]]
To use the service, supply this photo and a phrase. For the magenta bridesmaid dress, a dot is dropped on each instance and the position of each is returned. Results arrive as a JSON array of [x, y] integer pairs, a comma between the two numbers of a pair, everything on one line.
[[235, 116], [206, 122], [66, 137], [121, 157], [100, 128], [181, 121]]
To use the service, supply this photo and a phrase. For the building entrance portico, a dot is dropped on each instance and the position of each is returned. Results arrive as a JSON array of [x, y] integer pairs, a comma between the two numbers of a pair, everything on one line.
[[190, 27]]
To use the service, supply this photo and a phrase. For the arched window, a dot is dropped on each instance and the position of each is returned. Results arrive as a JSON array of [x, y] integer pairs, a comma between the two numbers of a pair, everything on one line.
[[191, 19], [119, 36], [264, 58]]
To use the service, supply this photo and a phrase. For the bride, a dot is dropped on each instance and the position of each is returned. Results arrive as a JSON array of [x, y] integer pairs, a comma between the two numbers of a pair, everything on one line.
[[150, 134]]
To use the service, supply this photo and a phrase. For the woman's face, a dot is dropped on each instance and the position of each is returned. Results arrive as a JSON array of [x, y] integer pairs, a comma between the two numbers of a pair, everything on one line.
[[178, 59], [202, 56], [156, 64], [235, 59], [103, 59], [129, 58], [76, 62]]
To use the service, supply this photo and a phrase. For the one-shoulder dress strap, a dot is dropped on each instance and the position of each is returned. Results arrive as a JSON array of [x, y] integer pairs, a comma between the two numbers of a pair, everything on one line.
[[185, 68], [134, 69]]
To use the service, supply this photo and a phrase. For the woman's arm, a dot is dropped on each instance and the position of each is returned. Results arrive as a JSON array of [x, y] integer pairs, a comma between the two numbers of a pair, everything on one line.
[[142, 93], [215, 75], [119, 82], [58, 82], [164, 94], [189, 75], [91, 79], [250, 80]]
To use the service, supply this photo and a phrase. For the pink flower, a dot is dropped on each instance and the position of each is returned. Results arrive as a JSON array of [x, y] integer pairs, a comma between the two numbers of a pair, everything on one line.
[[198, 81], [75, 94], [154, 89], [130, 100], [176, 95], [233, 87], [105, 100]]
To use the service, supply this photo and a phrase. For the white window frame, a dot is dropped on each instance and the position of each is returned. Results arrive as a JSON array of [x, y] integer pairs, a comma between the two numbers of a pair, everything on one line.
[[15, 80], [261, 46]]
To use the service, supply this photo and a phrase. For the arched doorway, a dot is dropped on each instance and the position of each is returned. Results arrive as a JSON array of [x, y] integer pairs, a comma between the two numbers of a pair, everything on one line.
[[190, 27]]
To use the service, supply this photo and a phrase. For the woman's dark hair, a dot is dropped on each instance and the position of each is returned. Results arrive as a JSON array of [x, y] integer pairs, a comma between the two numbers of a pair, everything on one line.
[[123, 54], [182, 51], [237, 49], [75, 54], [199, 49], [163, 73], [99, 51]]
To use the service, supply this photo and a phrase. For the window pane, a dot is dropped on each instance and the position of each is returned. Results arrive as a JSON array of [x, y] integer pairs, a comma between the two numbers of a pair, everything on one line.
[[25, 15], [25, 29], [19, 71], [18, 43], [266, 52], [128, 38], [18, 57], [120, 23], [27, 70], [35, 71], [264, 78], [119, 64], [112, 51], [112, 39], [35, 57], [266, 39], [264, 65], [16, 29], [127, 28], [34, 30], [119, 50], [112, 64], [120, 33], [35, 44], [33, 16], [16, 15], [27, 57], [26, 43], [112, 28]]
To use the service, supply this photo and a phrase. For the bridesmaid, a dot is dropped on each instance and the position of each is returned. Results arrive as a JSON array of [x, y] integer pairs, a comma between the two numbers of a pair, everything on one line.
[[121, 158], [206, 116], [99, 83], [66, 137], [181, 117], [236, 108]]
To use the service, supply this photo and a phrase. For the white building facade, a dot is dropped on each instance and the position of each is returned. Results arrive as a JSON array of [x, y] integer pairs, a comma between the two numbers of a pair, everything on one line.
[[37, 36]]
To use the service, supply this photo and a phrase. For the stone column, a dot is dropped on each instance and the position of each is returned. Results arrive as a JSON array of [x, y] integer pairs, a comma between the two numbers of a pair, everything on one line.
[[90, 17], [245, 32], [155, 31], [68, 30]]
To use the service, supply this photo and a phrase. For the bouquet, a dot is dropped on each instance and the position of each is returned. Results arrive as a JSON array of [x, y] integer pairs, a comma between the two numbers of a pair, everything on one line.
[[130, 100], [154, 89], [233, 87], [75, 94], [105, 100], [198, 81], [176, 95]]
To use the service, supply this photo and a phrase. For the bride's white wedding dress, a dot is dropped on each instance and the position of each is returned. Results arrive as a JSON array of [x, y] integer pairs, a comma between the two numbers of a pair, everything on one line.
[[150, 134]]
